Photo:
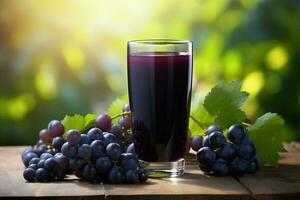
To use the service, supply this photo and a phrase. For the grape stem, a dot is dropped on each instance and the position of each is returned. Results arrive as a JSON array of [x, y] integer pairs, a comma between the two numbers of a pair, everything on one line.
[[197, 122], [246, 124], [121, 114]]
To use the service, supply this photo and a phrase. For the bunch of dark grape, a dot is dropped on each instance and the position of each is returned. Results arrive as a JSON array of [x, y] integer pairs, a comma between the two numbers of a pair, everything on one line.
[[98, 155], [221, 156], [44, 162]]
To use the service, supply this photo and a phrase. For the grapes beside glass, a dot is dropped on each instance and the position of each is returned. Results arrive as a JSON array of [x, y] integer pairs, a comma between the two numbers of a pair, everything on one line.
[[219, 156], [100, 156], [96, 156]]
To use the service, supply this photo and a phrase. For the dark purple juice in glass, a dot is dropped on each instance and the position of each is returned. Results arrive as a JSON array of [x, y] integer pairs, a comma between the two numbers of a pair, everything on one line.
[[160, 86]]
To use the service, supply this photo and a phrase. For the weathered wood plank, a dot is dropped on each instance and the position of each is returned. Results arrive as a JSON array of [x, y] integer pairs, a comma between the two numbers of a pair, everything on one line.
[[193, 185], [282, 182], [13, 185]]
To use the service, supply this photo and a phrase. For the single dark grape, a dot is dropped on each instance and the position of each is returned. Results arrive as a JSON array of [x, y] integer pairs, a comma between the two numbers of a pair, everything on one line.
[[253, 166], [45, 136], [89, 172], [98, 148], [196, 142], [85, 139], [247, 150], [56, 128], [41, 175], [95, 134], [129, 161], [116, 175], [205, 168], [103, 165], [116, 129], [217, 139], [34, 160], [143, 175], [125, 122], [84, 151], [206, 142], [57, 142], [238, 166], [33, 166], [132, 176], [130, 148], [126, 108], [62, 161], [227, 152], [29, 174], [103, 122], [30, 149], [213, 128], [27, 158], [73, 137], [109, 138], [220, 167], [68, 150], [46, 156], [206, 156], [114, 151], [41, 163], [236, 133], [50, 164]]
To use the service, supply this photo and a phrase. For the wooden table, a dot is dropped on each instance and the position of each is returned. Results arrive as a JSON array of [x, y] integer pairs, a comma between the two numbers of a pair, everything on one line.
[[269, 183]]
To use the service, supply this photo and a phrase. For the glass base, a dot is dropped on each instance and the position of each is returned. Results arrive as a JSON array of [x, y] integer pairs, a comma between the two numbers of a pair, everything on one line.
[[164, 169]]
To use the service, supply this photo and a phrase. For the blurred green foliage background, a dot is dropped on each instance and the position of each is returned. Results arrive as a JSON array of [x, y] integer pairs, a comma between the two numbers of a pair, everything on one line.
[[64, 57]]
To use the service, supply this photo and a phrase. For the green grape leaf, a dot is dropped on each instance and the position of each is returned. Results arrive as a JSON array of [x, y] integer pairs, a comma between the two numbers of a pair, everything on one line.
[[79, 122], [89, 121], [200, 114], [229, 116], [224, 102], [268, 135], [116, 106]]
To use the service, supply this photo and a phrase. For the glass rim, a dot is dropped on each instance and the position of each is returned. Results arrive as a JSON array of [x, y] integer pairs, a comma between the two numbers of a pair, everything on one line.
[[160, 41]]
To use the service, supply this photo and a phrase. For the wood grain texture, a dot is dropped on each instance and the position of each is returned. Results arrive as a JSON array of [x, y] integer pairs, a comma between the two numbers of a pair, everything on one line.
[[193, 185], [270, 183]]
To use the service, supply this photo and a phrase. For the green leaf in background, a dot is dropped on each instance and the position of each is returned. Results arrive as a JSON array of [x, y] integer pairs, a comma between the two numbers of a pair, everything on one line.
[[224, 102], [116, 106], [79, 122], [267, 134], [200, 113]]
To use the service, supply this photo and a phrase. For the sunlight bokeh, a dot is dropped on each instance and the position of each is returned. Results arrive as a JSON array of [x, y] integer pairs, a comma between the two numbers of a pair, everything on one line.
[[59, 57]]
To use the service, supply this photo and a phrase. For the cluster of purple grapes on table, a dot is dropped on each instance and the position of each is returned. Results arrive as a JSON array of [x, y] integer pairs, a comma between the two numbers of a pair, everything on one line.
[[221, 156], [99, 154]]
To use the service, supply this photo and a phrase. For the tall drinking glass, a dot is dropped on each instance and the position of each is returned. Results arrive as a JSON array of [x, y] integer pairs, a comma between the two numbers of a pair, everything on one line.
[[160, 84]]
